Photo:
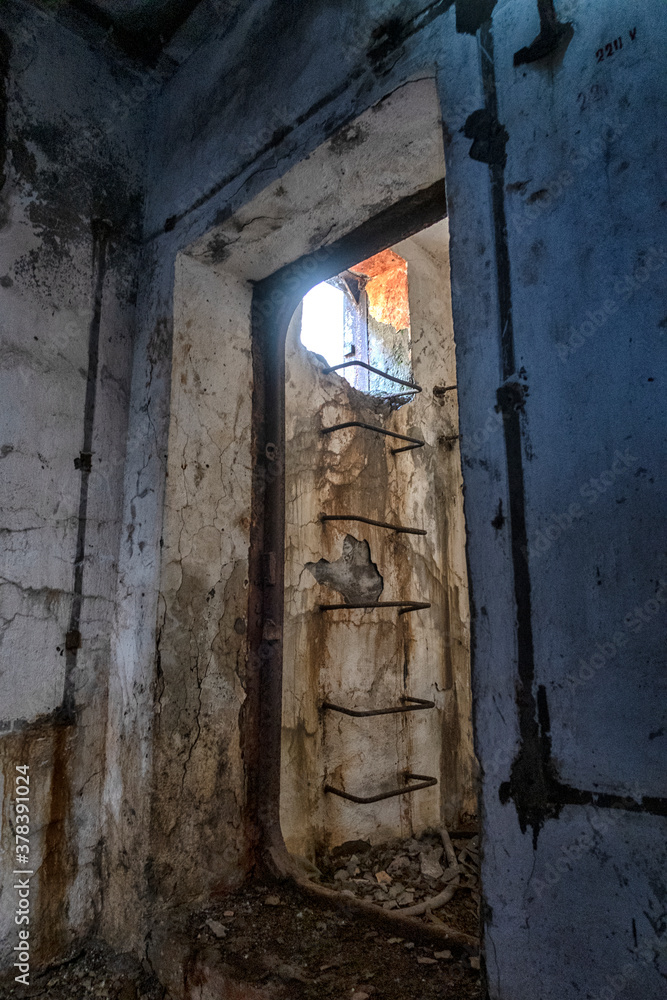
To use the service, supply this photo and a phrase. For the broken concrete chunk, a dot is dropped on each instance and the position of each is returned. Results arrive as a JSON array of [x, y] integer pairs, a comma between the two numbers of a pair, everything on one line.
[[430, 863], [290, 973], [422, 960], [217, 928], [398, 864], [446, 953], [306, 867], [272, 901]]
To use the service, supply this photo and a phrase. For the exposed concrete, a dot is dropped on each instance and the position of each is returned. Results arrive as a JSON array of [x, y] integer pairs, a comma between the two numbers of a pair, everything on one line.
[[369, 659], [197, 738], [354, 576], [562, 152], [69, 215]]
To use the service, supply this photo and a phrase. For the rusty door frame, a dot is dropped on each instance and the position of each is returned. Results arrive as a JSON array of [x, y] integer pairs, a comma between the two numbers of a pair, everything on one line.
[[274, 300]]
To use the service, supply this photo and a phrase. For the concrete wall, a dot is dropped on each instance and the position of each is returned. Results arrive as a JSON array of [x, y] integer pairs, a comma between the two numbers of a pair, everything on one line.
[[555, 180], [195, 741], [69, 218], [369, 659], [579, 143]]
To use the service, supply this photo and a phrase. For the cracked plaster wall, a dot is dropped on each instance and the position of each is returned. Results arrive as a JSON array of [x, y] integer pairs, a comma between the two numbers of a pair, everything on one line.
[[69, 160], [583, 131], [197, 804], [368, 659]]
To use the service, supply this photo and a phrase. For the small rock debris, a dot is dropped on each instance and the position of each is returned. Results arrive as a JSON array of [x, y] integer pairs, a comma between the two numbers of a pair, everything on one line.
[[297, 948]]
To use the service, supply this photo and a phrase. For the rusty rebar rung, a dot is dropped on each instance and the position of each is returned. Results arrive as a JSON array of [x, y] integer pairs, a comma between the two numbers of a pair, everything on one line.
[[424, 781], [415, 705], [404, 606], [376, 371], [369, 520], [414, 442]]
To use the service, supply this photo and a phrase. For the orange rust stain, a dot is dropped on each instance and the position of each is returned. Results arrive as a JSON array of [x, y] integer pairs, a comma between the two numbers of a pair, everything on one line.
[[58, 867], [46, 747], [387, 288]]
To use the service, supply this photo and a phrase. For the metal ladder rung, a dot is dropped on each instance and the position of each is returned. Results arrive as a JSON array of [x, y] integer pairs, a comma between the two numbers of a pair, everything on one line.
[[376, 371], [416, 705], [424, 781], [414, 442], [369, 520], [404, 606]]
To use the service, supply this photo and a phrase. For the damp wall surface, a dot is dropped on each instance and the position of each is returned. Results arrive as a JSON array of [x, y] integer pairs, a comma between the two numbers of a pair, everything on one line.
[[197, 741], [556, 199], [369, 659], [69, 223], [532, 151]]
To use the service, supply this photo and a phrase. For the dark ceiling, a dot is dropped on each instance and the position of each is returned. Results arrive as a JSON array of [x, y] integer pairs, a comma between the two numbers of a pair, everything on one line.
[[141, 28]]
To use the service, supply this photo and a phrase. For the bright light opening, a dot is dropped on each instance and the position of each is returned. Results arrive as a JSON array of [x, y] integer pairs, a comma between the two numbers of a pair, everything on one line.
[[322, 323]]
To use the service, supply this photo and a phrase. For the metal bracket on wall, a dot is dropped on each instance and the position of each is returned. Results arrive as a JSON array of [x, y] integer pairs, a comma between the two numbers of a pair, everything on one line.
[[376, 371], [424, 781], [414, 442], [403, 606], [369, 520], [410, 705]]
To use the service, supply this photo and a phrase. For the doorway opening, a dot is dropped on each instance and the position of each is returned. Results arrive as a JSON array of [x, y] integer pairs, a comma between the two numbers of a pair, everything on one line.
[[377, 763], [284, 735]]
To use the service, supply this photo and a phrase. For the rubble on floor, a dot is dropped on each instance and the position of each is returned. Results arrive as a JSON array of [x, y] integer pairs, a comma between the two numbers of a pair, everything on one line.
[[403, 873], [277, 942], [285, 945], [93, 973]]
